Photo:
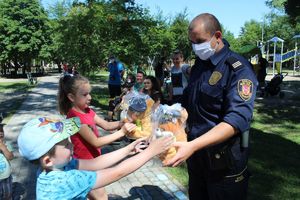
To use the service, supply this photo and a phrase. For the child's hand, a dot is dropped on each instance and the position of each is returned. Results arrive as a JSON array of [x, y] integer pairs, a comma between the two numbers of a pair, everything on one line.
[[138, 145], [128, 127], [160, 145]]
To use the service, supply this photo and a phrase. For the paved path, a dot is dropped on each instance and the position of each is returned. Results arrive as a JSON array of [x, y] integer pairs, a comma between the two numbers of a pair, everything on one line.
[[149, 182]]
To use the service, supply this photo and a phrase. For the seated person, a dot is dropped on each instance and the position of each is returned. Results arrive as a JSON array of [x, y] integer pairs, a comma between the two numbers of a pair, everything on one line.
[[153, 89], [113, 105]]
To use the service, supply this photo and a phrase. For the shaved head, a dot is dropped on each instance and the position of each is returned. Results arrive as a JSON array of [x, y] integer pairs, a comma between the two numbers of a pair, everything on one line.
[[208, 22]]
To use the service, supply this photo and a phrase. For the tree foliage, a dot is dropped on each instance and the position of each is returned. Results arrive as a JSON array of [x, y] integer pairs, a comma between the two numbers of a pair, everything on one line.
[[23, 31], [85, 33]]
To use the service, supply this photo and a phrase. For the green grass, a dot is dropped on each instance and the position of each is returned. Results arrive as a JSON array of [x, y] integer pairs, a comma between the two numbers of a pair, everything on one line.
[[13, 86], [20, 87], [100, 95], [275, 145]]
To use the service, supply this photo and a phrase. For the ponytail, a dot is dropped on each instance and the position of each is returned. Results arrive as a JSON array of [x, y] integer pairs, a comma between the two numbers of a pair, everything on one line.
[[68, 84]]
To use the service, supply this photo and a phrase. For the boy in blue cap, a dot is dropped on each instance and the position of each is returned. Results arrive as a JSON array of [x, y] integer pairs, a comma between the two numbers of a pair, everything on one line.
[[61, 177]]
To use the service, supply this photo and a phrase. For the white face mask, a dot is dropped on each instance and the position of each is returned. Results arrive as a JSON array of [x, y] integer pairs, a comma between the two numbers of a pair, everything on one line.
[[204, 50]]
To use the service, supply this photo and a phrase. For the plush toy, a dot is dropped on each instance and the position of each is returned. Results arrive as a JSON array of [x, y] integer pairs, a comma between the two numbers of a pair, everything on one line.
[[173, 122], [141, 117]]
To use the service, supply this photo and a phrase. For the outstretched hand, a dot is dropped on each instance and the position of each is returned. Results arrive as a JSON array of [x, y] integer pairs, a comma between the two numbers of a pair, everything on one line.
[[183, 153], [128, 127], [138, 145], [160, 145]]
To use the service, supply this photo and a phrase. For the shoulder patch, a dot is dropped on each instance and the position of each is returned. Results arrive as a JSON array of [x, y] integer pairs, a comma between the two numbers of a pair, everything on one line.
[[245, 89], [234, 63]]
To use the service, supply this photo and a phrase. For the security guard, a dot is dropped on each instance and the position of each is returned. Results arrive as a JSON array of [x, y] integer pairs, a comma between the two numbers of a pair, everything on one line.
[[219, 100]]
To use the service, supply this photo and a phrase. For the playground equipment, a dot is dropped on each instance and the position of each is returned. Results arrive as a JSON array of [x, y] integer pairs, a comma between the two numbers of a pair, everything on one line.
[[278, 59], [296, 52], [275, 56]]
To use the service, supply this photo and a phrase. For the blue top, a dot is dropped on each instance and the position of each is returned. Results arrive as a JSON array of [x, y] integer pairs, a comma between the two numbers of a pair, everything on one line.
[[67, 184], [221, 89], [115, 69], [5, 169]]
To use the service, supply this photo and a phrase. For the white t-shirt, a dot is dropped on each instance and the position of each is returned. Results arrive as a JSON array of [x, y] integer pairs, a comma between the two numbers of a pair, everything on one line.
[[179, 79]]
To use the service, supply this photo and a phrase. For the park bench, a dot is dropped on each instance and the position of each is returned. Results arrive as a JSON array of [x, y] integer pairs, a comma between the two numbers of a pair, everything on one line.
[[31, 80]]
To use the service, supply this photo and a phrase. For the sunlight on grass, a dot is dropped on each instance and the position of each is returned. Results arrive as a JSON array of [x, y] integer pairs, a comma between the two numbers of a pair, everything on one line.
[[13, 86], [179, 173]]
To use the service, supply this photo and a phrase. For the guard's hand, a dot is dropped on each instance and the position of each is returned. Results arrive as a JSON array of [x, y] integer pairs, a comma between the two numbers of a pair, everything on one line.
[[183, 153]]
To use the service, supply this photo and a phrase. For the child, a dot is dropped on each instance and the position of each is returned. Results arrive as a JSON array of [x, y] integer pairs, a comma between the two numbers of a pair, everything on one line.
[[74, 99], [64, 177], [5, 171]]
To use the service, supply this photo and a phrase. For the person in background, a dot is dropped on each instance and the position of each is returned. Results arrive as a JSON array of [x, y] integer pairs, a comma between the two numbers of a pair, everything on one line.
[[159, 70], [114, 104], [262, 72], [219, 100], [116, 72], [74, 70], [179, 77], [139, 84], [153, 89], [5, 169]]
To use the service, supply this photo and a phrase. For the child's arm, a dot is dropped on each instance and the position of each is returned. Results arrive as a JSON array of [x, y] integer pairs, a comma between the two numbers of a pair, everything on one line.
[[88, 135], [108, 126], [8, 155], [109, 159], [112, 174]]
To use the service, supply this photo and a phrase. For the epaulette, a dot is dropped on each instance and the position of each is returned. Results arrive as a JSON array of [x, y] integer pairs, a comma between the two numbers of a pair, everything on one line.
[[234, 63]]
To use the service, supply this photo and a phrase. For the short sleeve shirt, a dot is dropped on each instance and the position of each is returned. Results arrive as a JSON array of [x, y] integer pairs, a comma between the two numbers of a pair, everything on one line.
[[178, 78], [67, 184], [82, 149], [115, 70]]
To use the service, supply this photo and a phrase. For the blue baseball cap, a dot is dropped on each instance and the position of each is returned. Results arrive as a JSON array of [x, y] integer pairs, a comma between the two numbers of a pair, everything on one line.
[[39, 135]]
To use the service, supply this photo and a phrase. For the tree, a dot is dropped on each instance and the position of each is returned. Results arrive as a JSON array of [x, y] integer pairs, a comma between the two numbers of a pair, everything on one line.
[[251, 33], [22, 32], [89, 32], [292, 8], [179, 27]]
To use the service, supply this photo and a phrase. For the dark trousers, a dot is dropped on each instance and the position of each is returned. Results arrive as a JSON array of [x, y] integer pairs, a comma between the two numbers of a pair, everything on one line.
[[214, 185], [114, 90]]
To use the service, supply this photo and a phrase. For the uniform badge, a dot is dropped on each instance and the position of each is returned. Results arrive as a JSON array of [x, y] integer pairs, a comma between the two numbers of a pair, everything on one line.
[[245, 89], [214, 78]]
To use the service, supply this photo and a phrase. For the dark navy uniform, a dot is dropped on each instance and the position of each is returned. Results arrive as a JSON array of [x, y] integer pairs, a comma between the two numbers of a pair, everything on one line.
[[221, 89]]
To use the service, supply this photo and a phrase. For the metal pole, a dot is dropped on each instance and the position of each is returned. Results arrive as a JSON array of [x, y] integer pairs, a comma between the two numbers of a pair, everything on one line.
[[281, 56], [262, 37], [274, 58], [295, 57]]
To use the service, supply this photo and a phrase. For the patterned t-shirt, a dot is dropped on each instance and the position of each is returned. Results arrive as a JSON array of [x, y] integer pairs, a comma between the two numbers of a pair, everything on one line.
[[67, 184], [5, 169]]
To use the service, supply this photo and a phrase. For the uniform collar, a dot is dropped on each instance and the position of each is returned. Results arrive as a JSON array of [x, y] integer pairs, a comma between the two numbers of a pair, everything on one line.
[[217, 57]]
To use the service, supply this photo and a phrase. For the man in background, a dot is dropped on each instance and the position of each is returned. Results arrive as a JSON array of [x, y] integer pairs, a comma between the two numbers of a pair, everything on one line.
[[116, 72]]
